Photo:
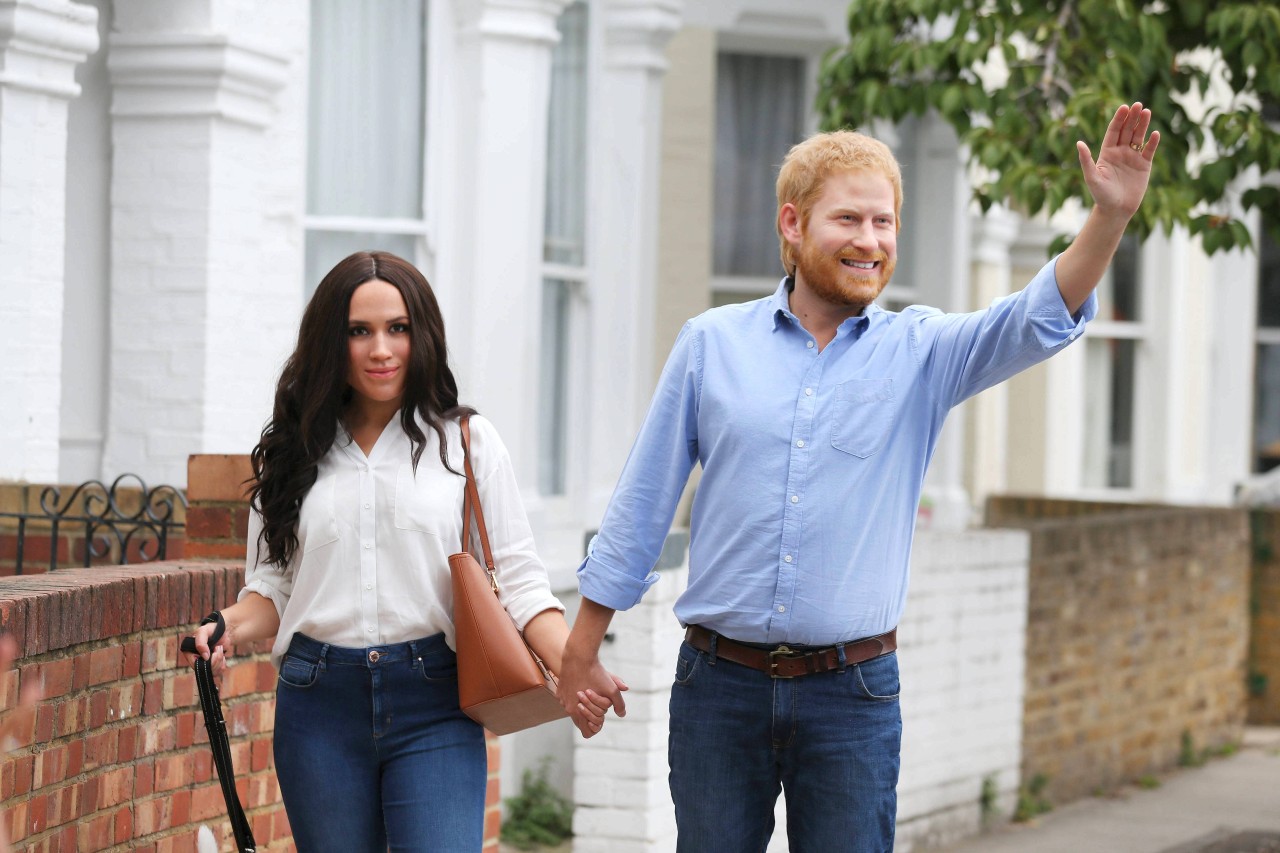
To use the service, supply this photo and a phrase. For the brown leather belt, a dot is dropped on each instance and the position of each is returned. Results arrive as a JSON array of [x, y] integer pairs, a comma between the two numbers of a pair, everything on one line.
[[784, 662]]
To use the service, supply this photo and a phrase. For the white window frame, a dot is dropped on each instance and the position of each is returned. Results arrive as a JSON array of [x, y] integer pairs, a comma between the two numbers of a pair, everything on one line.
[[419, 227]]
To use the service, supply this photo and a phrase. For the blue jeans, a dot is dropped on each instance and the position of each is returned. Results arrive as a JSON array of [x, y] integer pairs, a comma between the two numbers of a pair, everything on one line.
[[831, 741], [372, 752]]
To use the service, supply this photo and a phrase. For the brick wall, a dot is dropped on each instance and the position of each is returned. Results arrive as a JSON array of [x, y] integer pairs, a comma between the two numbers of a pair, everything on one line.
[[116, 757], [1137, 633], [1264, 612]]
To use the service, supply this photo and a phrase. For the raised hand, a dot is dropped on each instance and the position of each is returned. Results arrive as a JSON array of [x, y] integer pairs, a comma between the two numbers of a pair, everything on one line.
[[1118, 180]]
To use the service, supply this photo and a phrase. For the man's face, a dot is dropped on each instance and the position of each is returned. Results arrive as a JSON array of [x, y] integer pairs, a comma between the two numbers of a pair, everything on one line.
[[849, 247]]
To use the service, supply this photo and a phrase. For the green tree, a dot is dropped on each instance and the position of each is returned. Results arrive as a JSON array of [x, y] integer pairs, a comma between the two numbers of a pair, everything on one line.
[[1022, 80]]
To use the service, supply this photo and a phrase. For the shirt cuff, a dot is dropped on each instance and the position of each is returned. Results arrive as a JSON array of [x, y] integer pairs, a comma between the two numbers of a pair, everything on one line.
[[523, 610], [1054, 325], [613, 588]]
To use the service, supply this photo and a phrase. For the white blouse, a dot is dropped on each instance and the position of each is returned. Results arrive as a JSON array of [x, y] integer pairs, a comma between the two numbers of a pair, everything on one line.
[[374, 539]]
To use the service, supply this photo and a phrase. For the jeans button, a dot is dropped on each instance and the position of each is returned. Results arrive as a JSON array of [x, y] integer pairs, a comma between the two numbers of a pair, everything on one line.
[[374, 655]]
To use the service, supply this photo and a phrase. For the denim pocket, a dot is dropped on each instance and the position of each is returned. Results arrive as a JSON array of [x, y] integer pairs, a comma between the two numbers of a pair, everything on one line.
[[436, 670], [863, 414], [878, 678], [296, 672], [688, 662]]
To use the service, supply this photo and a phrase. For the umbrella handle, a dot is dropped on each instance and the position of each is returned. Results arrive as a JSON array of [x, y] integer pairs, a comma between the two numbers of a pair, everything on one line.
[[189, 643]]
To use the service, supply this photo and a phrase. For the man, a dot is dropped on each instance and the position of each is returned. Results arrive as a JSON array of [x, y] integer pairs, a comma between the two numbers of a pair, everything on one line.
[[814, 414]]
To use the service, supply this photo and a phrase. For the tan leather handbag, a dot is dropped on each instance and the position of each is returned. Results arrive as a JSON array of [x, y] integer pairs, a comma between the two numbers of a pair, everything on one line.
[[502, 683]]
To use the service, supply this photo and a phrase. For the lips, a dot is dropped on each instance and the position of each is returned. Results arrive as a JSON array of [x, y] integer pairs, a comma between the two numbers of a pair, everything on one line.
[[385, 373]]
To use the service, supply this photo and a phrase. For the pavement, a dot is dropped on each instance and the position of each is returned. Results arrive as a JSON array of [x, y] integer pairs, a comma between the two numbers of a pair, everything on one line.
[[1228, 805]]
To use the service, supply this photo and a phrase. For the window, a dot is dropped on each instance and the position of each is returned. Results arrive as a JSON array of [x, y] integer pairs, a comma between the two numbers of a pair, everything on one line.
[[1112, 353], [564, 271], [760, 114], [1266, 419], [366, 129]]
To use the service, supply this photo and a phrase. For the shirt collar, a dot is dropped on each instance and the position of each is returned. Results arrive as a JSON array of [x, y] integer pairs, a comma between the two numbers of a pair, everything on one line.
[[780, 308]]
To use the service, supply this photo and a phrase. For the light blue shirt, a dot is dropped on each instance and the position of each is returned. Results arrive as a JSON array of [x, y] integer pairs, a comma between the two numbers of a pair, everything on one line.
[[813, 461]]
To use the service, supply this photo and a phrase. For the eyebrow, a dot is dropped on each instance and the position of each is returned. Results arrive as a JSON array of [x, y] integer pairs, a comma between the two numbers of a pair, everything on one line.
[[356, 321]]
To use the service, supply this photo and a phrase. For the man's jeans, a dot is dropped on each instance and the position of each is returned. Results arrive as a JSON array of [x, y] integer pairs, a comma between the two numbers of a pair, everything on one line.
[[374, 754], [831, 741]]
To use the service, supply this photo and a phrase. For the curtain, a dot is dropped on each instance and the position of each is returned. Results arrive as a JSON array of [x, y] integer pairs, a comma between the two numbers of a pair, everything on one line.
[[759, 116], [365, 116]]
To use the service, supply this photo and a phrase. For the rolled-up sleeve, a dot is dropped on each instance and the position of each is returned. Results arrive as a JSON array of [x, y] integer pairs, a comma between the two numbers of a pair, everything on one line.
[[260, 577]]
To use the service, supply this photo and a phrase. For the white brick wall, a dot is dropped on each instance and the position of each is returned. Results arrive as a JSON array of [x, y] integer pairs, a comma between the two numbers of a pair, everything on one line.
[[40, 46], [962, 660]]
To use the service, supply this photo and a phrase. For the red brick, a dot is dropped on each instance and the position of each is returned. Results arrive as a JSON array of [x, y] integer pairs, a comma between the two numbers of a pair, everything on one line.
[[115, 786], [101, 750], [132, 665], [55, 677], [207, 803], [209, 522], [97, 833], [128, 743], [106, 665], [144, 779], [124, 825], [174, 771], [215, 550], [72, 716]]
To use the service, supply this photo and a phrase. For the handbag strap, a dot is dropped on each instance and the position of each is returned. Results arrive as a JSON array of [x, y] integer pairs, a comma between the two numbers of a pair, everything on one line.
[[216, 726], [471, 505]]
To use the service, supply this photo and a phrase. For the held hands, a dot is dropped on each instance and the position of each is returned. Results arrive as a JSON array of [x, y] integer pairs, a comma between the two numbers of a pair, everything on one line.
[[587, 691], [1118, 180]]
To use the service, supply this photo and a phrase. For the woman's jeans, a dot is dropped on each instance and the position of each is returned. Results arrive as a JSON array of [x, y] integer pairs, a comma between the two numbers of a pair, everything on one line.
[[372, 752], [830, 740]]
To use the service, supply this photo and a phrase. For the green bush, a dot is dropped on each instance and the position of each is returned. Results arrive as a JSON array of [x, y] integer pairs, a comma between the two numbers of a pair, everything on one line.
[[539, 814]]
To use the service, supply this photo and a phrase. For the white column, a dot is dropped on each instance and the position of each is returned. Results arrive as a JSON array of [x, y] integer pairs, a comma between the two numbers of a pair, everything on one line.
[[41, 43], [988, 413], [942, 272], [498, 129], [626, 144], [207, 193]]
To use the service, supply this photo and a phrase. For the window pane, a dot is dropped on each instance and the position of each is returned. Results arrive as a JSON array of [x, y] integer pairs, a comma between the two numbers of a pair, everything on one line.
[[565, 221], [1266, 419], [553, 403], [365, 115], [1268, 281], [759, 116], [1109, 400], [326, 248], [1119, 294]]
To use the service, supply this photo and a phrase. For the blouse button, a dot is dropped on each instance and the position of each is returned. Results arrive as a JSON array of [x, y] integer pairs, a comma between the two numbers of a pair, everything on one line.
[[795, 499], [808, 392], [800, 443], [809, 344]]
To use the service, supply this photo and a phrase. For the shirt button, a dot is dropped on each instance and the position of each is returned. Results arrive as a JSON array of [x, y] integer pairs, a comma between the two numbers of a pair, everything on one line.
[[366, 506], [808, 392], [368, 586], [364, 469], [809, 344], [800, 443], [367, 546], [369, 629], [787, 559], [781, 609], [795, 499]]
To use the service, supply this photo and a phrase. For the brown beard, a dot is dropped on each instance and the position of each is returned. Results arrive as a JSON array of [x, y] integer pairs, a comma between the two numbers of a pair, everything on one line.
[[826, 277]]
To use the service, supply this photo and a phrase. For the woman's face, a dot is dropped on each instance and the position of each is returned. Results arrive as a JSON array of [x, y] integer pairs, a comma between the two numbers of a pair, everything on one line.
[[377, 345]]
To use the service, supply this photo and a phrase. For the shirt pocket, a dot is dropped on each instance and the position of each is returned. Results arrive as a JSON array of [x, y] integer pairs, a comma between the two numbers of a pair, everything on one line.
[[317, 519], [428, 502], [863, 416]]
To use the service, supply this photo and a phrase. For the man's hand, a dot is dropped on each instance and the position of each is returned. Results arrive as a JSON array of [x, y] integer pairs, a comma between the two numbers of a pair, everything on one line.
[[1118, 181], [587, 690]]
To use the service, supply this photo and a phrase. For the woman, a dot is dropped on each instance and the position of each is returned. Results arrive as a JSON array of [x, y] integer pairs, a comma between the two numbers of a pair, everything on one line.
[[358, 498]]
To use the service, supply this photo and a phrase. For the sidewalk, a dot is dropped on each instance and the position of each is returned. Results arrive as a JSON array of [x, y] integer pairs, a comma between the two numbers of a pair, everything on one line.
[[1230, 805]]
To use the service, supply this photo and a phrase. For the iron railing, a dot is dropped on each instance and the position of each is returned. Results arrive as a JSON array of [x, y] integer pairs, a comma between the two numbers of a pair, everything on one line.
[[113, 522]]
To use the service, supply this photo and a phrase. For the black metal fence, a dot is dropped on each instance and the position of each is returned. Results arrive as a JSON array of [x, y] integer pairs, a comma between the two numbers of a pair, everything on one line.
[[123, 522]]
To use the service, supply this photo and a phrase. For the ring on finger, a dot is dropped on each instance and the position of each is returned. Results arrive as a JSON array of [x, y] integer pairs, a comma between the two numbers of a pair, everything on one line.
[[1137, 146]]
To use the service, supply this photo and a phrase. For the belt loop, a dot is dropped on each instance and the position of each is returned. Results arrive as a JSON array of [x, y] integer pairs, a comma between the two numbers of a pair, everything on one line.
[[712, 650], [324, 655], [840, 655]]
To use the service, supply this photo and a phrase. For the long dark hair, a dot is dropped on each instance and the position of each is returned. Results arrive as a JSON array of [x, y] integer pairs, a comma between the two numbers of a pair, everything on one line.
[[313, 391]]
